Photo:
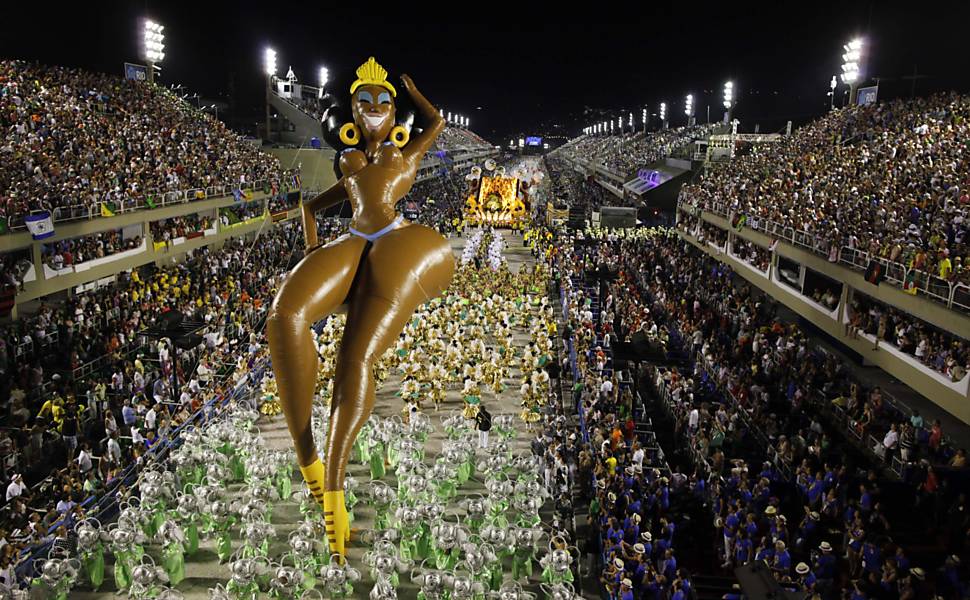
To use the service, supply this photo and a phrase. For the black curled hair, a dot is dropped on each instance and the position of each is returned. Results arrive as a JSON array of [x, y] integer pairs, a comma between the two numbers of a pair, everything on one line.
[[337, 112]]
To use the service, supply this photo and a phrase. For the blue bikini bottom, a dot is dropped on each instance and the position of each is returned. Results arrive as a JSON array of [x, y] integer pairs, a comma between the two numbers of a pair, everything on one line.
[[373, 237]]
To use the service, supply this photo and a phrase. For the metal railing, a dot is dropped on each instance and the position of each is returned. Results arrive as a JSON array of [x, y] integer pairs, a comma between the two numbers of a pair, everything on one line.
[[954, 295], [159, 198]]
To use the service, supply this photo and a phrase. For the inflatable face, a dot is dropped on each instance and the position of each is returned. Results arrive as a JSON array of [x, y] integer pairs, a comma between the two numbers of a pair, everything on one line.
[[373, 110]]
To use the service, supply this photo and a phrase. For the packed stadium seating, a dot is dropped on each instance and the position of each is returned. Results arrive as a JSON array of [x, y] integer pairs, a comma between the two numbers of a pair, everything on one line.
[[75, 139]]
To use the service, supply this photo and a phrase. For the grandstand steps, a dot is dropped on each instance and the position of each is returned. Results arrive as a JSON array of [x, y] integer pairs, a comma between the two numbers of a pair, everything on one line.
[[306, 125]]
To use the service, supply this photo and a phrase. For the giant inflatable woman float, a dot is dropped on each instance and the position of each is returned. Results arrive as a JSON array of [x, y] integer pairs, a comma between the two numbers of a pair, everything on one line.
[[383, 269]]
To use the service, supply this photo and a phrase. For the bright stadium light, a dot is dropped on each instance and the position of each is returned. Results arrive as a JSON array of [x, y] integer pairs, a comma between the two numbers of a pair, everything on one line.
[[449, 116], [521, 142], [269, 62], [630, 121], [729, 95], [324, 76], [851, 60], [269, 68], [689, 105], [663, 111], [832, 85], [154, 46]]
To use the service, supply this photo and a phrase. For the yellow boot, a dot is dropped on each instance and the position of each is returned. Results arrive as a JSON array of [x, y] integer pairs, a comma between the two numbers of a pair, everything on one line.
[[313, 474], [336, 520]]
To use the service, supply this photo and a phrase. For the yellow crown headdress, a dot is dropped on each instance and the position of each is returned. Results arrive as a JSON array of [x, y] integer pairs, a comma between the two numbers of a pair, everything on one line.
[[371, 73]]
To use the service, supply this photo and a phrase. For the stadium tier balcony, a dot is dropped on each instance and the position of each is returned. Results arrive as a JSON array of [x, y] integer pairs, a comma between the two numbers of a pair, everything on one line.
[[880, 187], [622, 155], [81, 145]]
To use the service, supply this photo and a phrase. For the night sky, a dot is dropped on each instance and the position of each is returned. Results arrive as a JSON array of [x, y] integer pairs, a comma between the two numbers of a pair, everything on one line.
[[525, 75]]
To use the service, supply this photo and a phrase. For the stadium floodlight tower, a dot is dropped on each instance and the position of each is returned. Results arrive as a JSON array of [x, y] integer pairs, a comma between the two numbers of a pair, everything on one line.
[[269, 68], [832, 85], [663, 115], [154, 46], [850, 65], [728, 99], [689, 109], [323, 79], [644, 120], [630, 122]]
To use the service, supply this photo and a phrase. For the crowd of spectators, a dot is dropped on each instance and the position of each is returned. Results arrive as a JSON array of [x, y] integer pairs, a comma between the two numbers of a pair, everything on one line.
[[77, 437], [758, 378], [165, 230], [73, 140], [940, 350], [888, 179], [230, 215], [66, 253], [636, 513], [623, 154], [453, 139]]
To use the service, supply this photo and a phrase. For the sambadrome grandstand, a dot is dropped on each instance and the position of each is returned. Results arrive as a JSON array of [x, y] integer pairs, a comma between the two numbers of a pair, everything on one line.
[[717, 364]]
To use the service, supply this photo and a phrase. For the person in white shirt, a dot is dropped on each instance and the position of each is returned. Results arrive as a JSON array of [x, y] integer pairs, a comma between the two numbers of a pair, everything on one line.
[[606, 388], [83, 459], [693, 420], [150, 417], [891, 439], [638, 456], [114, 450], [16, 487]]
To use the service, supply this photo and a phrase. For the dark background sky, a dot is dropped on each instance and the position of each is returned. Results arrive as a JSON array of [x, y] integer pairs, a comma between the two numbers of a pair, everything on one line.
[[527, 74]]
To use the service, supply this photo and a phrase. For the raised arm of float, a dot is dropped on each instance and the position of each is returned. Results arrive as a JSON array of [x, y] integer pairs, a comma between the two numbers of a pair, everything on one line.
[[421, 143]]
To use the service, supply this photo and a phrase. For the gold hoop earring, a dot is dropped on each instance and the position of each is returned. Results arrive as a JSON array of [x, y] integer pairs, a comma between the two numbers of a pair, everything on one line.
[[350, 134], [400, 136]]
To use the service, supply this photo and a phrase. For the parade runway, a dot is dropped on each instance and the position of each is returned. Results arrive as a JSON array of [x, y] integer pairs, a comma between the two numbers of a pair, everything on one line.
[[203, 570]]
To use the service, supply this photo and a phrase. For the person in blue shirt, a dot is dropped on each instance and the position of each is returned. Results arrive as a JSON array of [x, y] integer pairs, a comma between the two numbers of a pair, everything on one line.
[[678, 591], [815, 491], [806, 577], [865, 500], [742, 549], [872, 557], [626, 590], [782, 561], [764, 552], [825, 563], [646, 538], [668, 566]]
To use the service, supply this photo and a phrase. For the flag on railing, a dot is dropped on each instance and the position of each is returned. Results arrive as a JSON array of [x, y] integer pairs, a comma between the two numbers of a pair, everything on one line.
[[247, 194], [200, 194], [108, 209], [773, 245], [739, 221], [40, 224], [150, 202], [3, 224], [237, 195], [296, 181], [909, 285]]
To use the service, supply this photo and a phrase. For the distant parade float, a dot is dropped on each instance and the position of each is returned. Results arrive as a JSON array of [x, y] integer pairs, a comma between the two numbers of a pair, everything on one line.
[[497, 200]]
